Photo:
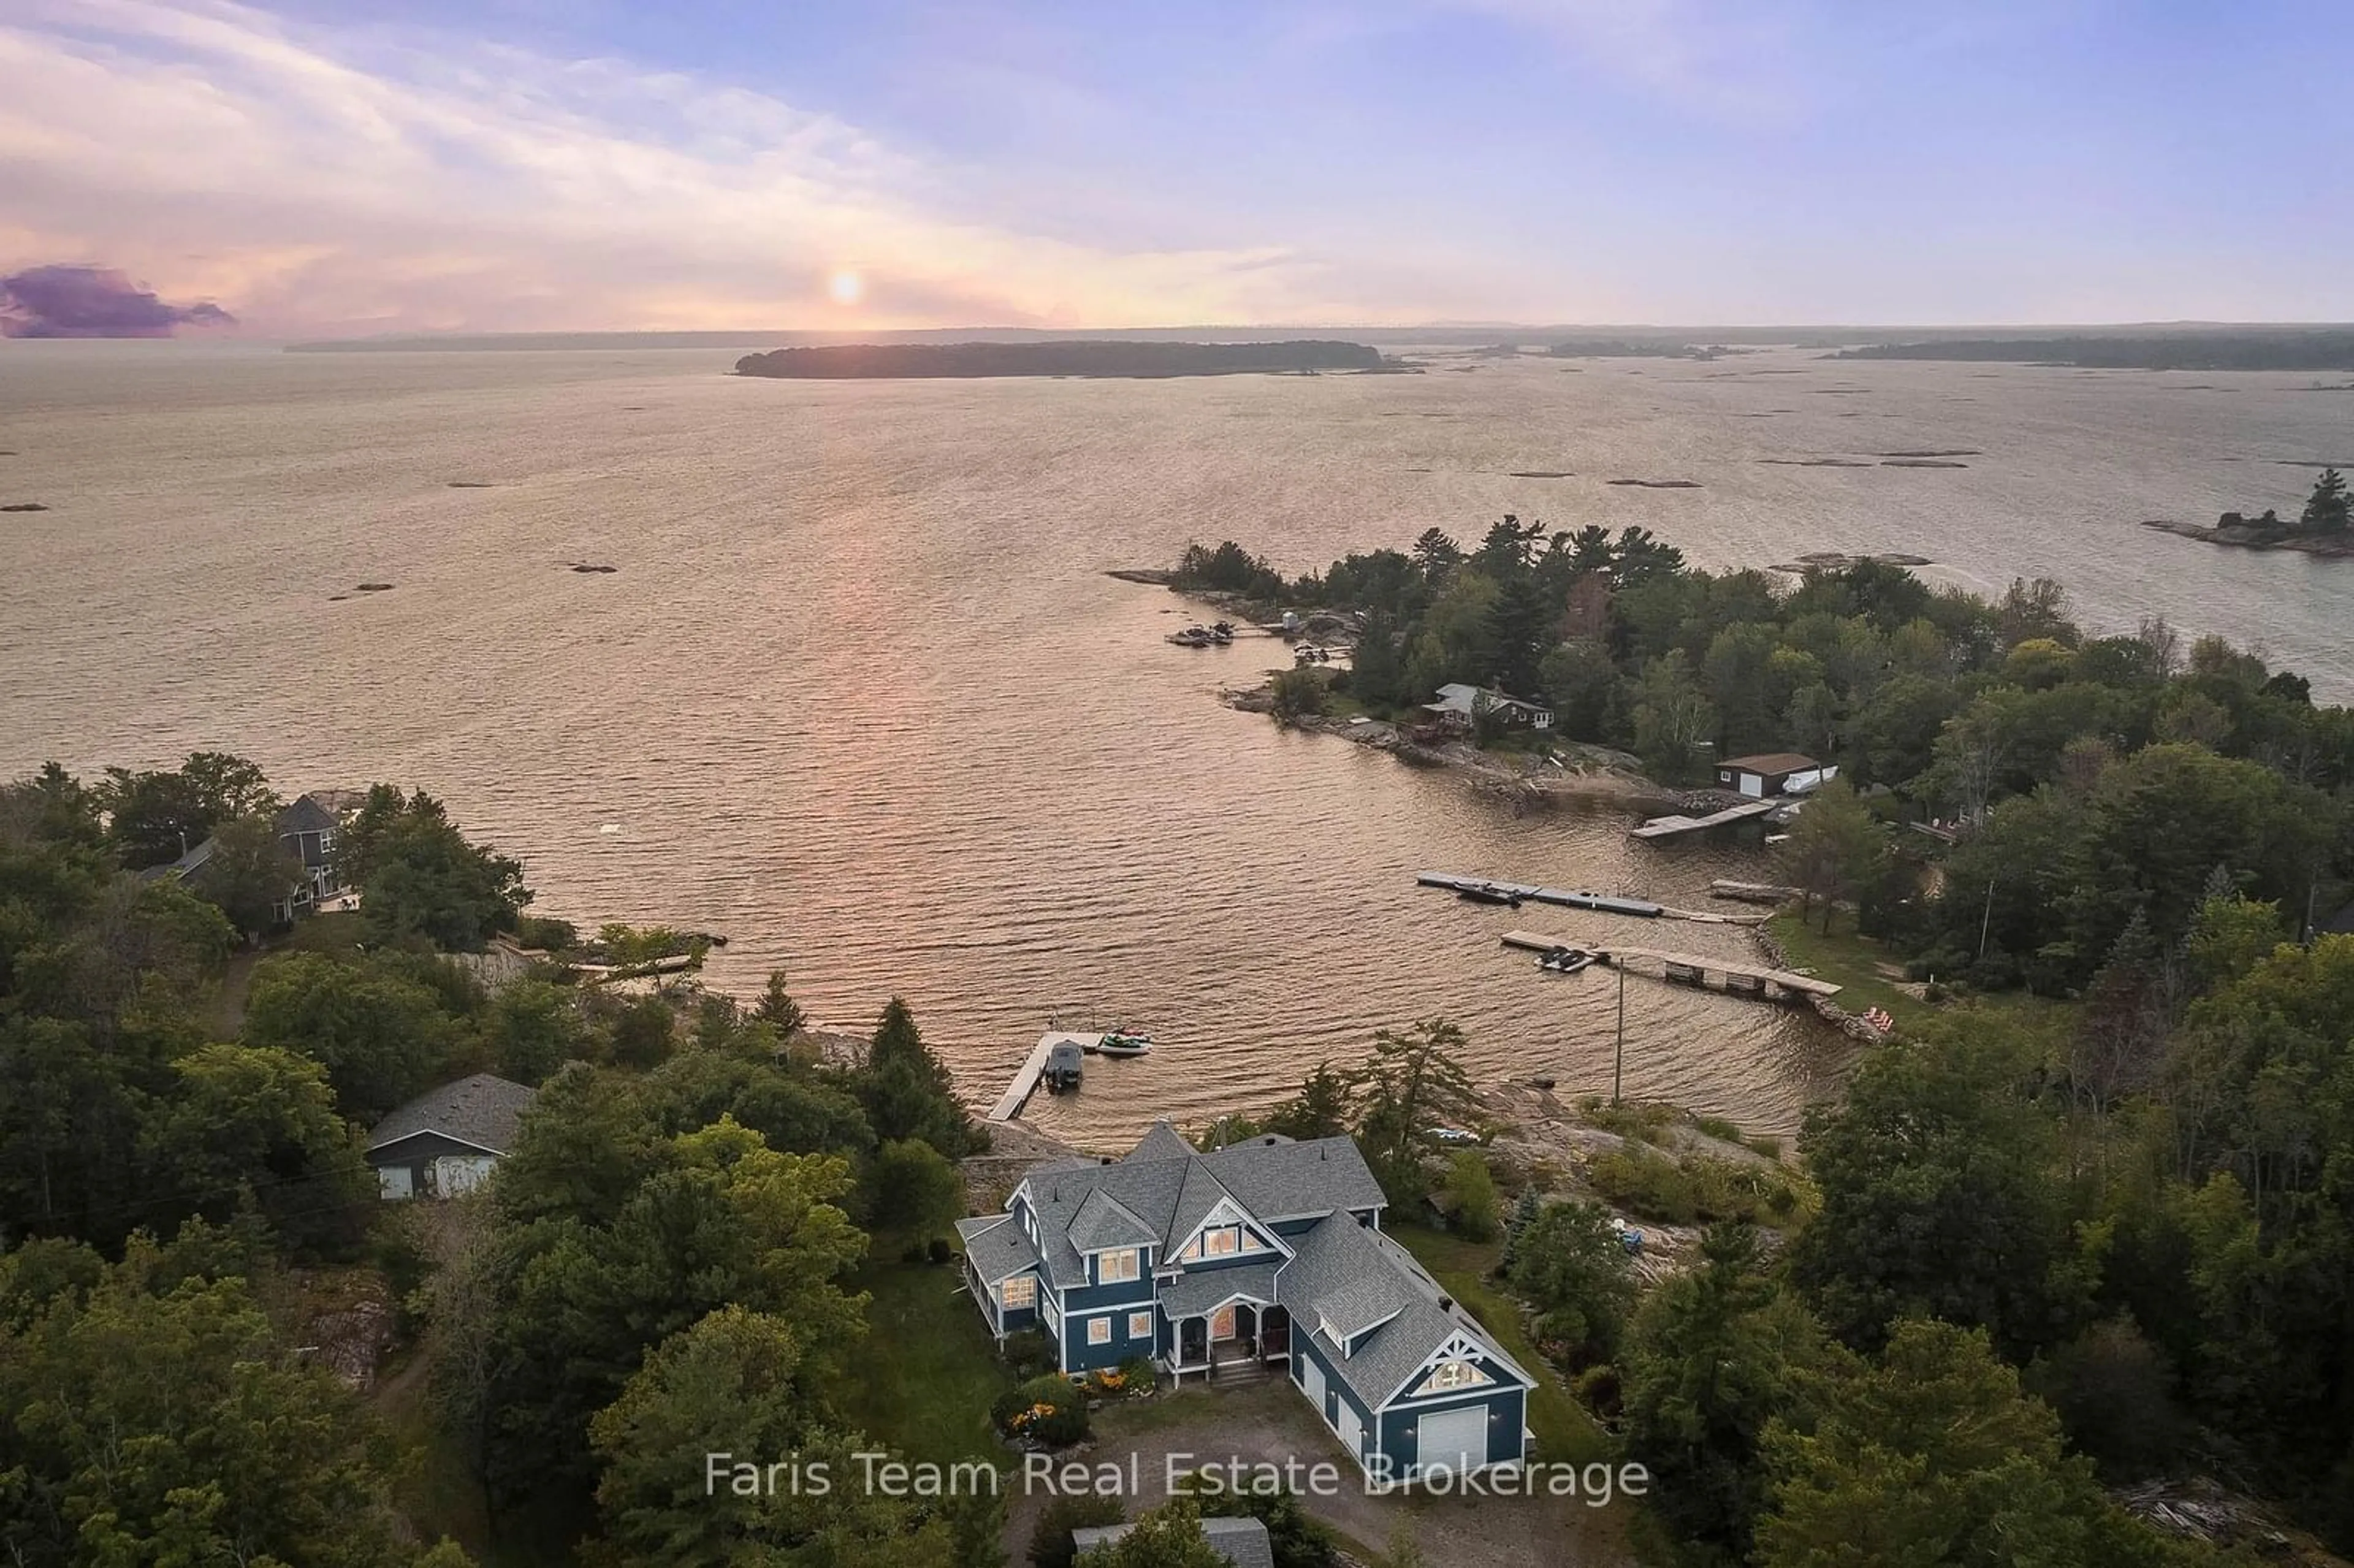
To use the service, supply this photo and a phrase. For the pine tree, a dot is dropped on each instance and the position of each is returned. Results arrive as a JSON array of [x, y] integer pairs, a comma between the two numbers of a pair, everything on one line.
[[2326, 510]]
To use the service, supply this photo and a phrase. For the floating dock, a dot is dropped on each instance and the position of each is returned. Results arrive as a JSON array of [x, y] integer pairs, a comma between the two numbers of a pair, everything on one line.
[[1608, 904], [1026, 1078], [1601, 903], [1668, 826], [1688, 968]]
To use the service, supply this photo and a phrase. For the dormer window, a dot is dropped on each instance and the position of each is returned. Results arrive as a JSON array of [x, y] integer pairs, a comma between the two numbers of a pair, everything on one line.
[[1224, 1242], [1112, 1267]]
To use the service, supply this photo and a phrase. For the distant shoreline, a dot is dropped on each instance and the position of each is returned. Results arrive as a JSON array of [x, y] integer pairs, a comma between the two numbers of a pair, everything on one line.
[[902, 361]]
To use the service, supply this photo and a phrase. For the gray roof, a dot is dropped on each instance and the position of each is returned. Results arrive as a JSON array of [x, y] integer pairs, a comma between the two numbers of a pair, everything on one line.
[[307, 814], [483, 1110], [1241, 1541], [996, 1247], [1163, 1142], [1167, 1189], [1202, 1290], [1359, 1278], [1103, 1221]]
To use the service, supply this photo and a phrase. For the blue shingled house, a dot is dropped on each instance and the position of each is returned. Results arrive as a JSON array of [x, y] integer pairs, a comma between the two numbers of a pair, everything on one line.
[[1264, 1255]]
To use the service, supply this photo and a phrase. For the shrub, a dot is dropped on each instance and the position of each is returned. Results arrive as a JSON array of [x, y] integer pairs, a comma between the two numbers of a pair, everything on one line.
[[1641, 1122], [1697, 1191], [1028, 1354], [1469, 1199], [1597, 1389], [939, 1251], [1050, 1544], [1050, 1410], [1139, 1374], [1716, 1127]]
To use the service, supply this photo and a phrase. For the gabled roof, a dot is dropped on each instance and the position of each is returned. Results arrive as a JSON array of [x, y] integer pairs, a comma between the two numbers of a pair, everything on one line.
[[1103, 1221], [996, 1247], [1163, 1142], [1359, 1280], [1771, 762], [306, 815], [1167, 1189], [483, 1110]]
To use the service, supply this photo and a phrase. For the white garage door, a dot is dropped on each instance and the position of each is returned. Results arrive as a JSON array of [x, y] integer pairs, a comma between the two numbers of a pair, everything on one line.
[[1453, 1440], [1313, 1386], [1352, 1432]]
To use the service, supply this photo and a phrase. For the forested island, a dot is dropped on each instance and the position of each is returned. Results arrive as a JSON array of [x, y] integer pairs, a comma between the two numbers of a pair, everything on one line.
[[2325, 526], [1106, 359], [2284, 348]]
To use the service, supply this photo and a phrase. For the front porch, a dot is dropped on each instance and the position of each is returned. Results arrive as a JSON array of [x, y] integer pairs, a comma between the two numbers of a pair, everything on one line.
[[1236, 1341]]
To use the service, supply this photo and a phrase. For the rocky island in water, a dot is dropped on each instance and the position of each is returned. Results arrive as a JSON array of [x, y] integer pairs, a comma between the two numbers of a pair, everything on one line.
[[871, 360]]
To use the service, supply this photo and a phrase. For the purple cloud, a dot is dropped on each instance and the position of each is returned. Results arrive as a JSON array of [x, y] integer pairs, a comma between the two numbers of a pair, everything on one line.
[[71, 301]]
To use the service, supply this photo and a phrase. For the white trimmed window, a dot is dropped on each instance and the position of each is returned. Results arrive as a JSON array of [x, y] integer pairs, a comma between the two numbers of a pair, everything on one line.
[[1022, 1290], [1193, 1250], [1449, 1375], [1099, 1330], [1114, 1267], [1224, 1242], [1139, 1325], [1252, 1244]]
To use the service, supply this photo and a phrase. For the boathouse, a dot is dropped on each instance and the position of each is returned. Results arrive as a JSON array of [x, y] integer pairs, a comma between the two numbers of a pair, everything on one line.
[[1773, 773], [1264, 1255]]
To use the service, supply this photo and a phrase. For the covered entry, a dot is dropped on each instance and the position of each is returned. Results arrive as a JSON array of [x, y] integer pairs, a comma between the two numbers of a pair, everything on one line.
[[1452, 1440]]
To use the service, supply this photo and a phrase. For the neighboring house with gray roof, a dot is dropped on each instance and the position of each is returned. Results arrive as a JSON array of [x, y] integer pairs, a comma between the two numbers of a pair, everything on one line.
[[1241, 1541], [1266, 1253], [447, 1140], [306, 830]]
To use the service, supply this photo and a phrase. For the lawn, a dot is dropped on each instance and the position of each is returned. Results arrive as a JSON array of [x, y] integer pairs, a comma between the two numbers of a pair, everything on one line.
[[929, 1371], [1856, 963], [1850, 961], [1564, 1431]]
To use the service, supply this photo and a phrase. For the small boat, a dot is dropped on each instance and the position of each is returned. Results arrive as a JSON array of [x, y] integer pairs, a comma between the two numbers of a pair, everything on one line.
[[1488, 893], [1064, 1067], [1224, 632], [1121, 1043], [1564, 961], [1291, 626], [1192, 637]]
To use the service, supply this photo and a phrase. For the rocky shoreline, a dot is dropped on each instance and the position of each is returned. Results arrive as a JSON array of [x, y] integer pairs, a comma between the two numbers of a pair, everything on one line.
[[2340, 547]]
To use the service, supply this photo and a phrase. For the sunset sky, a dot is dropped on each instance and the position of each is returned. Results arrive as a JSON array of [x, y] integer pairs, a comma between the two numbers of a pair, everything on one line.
[[313, 167]]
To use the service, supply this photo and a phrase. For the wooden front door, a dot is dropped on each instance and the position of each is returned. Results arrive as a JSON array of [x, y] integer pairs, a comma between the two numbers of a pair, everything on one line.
[[1222, 1324]]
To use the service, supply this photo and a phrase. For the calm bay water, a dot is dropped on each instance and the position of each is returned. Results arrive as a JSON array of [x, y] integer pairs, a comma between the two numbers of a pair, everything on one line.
[[860, 697]]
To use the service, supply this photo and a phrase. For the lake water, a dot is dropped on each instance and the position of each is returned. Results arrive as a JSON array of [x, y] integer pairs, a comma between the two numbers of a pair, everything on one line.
[[860, 696]]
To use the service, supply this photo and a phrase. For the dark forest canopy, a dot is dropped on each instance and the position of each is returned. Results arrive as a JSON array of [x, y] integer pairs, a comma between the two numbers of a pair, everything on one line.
[[2279, 350], [876, 360]]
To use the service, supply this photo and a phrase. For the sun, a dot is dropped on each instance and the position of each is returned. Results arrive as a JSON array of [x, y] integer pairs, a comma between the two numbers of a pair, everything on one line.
[[846, 287]]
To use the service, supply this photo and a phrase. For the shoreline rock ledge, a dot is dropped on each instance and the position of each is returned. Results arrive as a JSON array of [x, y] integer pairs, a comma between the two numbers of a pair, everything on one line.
[[2335, 547]]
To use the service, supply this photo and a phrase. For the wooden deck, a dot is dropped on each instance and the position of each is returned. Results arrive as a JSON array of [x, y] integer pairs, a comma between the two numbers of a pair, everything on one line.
[[1667, 827], [1025, 1077], [1690, 968]]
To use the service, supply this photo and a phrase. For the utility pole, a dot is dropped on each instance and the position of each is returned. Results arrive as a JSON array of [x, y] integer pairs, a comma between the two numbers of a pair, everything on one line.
[[1619, 1063], [1986, 921]]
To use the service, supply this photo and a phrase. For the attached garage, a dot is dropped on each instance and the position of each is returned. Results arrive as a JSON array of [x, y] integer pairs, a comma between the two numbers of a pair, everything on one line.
[[1452, 1440]]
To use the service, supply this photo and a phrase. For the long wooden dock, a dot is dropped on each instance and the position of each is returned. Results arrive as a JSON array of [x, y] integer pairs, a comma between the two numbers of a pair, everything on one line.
[[1604, 903], [1667, 827], [1689, 967], [1567, 898], [1025, 1077]]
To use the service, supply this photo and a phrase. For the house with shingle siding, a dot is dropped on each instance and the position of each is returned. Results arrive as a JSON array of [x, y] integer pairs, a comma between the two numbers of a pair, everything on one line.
[[1265, 1254]]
